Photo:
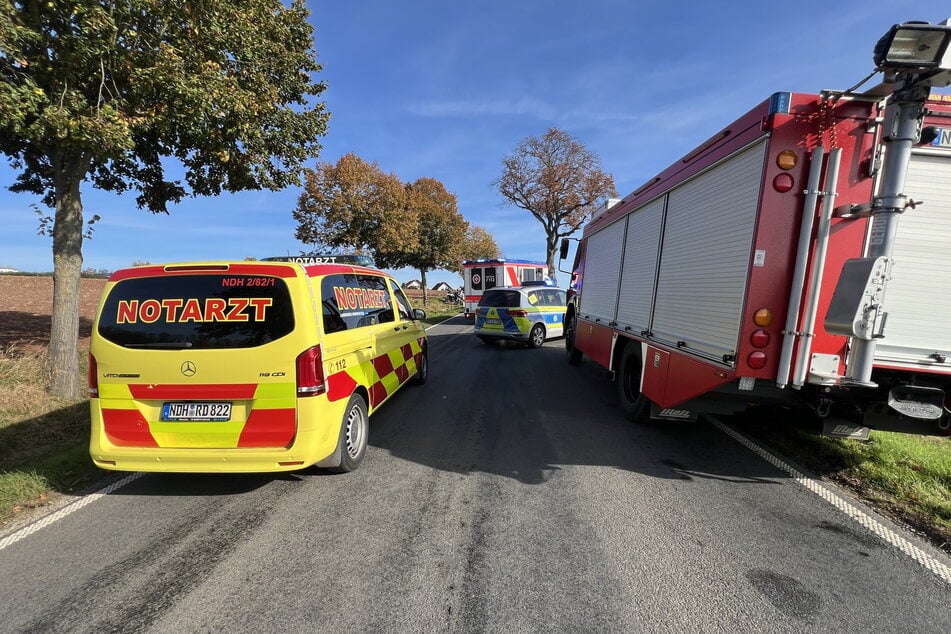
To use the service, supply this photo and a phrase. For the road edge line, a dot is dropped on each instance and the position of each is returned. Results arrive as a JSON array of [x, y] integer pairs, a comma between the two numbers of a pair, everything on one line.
[[45, 521], [928, 562]]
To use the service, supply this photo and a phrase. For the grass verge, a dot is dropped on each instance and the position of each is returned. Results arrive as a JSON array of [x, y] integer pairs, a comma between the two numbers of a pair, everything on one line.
[[43, 441], [903, 476]]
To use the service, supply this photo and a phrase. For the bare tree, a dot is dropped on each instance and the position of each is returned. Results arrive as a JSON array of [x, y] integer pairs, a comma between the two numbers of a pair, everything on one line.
[[558, 181]]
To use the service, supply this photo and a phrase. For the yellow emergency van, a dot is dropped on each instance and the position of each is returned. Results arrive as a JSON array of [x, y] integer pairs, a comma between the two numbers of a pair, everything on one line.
[[247, 366]]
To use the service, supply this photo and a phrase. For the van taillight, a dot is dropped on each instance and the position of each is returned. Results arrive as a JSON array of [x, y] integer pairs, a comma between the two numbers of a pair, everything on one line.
[[93, 377], [310, 373]]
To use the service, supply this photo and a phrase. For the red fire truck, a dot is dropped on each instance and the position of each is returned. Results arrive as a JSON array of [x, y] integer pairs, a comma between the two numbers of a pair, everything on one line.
[[747, 271]]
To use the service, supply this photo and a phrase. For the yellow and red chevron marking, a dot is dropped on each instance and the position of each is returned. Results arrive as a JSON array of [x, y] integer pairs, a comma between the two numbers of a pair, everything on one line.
[[382, 375]]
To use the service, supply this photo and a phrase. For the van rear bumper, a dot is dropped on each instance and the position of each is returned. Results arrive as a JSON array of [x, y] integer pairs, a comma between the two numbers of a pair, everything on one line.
[[310, 446]]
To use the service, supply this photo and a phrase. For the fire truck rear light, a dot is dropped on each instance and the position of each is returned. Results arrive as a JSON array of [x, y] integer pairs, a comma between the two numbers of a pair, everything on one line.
[[763, 317], [310, 373], [787, 159], [783, 183], [756, 360], [93, 377], [759, 338]]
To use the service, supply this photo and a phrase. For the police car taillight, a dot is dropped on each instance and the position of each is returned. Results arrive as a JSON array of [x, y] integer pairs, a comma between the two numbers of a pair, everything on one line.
[[310, 373], [518, 313], [93, 377]]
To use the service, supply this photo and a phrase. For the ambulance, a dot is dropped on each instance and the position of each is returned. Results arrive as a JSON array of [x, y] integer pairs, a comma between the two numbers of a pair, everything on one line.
[[247, 366]]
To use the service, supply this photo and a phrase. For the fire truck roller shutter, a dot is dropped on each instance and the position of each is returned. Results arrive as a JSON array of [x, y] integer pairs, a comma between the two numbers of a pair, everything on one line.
[[603, 272], [640, 267], [917, 298], [705, 258]]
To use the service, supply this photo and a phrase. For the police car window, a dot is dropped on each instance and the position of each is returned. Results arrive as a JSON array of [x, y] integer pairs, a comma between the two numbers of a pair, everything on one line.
[[354, 301], [402, 304], [501, 299], [197, 311]]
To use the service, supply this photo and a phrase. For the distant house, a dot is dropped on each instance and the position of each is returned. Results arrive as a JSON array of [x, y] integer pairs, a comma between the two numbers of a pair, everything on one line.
[[414, 284], [442, 286]]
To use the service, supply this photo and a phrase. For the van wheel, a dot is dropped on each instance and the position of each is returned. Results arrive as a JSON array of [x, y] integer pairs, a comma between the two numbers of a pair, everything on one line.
[[537, 336], [353, 435], [422, 368], [574, 355], [634, 404]]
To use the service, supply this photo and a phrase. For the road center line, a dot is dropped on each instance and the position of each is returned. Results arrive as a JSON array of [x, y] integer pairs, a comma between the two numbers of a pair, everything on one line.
[[939, 569], [43, 522]]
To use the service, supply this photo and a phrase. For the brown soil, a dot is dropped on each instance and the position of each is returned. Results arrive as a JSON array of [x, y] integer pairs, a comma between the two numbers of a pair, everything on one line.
[[26, 303]]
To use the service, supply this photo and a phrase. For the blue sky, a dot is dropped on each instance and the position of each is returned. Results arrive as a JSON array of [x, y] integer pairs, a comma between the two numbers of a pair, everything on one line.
[[448, 88]]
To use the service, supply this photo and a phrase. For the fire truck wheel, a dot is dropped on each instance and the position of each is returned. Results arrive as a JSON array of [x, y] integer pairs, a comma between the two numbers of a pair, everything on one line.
[[574, 355], [422, 372], [634, 404], [353, 435], [537, 336]]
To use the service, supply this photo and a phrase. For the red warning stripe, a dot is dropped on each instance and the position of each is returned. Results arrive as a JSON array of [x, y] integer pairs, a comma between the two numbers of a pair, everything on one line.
[[202, 391]]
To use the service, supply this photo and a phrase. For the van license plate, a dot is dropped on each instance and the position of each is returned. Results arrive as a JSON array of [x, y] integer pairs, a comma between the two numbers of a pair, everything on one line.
[[196, 411]]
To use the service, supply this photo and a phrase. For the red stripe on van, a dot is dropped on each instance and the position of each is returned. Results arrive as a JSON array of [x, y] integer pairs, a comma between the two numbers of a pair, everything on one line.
[[127, 427], [205, 392], [190, 269], [340, 386], [269, 428]]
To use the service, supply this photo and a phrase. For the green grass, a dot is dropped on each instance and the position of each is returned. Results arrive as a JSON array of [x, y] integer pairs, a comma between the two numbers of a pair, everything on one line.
[[43, 441]]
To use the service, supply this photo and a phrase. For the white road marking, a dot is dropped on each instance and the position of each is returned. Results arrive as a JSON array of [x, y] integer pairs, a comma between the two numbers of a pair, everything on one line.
[[939, 569], [72, 507]]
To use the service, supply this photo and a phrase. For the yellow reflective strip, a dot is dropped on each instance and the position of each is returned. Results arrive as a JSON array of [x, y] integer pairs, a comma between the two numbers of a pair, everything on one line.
[[276, 390], [114, 390]]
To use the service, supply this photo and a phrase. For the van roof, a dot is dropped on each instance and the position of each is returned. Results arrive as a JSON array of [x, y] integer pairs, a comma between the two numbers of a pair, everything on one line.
[[242, 267]]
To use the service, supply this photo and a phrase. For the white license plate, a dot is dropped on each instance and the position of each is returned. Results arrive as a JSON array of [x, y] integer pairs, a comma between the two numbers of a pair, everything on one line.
[[196, 411]]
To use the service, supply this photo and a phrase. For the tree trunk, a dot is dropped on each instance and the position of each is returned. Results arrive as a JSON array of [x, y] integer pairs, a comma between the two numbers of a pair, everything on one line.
[[422, 277], [551, 245], [62, 357]]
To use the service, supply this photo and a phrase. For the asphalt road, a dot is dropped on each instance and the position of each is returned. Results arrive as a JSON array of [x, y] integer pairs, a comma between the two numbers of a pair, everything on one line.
[[507, 494]]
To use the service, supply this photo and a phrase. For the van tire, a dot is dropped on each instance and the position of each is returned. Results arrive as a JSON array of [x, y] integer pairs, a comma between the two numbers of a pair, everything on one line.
[[537, 336], [354, 430], [422, 369], [635, 405]]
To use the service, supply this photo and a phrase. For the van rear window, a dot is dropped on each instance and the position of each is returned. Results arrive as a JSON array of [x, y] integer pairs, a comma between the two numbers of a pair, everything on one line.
[[197, 311]]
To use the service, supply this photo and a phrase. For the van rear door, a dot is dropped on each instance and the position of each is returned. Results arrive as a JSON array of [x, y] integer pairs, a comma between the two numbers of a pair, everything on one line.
[[200, 356]]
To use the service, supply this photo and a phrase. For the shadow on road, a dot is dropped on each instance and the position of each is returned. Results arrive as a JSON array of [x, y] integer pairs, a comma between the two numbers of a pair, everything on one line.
[[526, 414]]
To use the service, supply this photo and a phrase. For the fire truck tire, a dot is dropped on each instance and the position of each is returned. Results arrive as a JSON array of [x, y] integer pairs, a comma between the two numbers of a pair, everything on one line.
[[354, 430], [537, 336], [422, 372], [573, 354], [635, 405]]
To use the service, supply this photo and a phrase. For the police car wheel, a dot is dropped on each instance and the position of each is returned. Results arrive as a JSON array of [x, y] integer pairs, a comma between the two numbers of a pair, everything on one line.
[[354, 430], [537, 336], [422, 371]]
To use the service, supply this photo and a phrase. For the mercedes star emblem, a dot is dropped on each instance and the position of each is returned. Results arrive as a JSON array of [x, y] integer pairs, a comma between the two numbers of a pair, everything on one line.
[[189, 368]]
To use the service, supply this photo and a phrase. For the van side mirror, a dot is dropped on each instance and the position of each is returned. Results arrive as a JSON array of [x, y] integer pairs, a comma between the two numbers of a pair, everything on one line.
[[419, 314], [564, 249]]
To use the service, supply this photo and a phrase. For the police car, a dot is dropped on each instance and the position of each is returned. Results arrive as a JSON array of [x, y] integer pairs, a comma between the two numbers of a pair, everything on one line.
[[528, 314], [247, 366]]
